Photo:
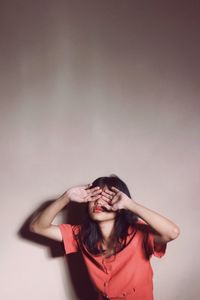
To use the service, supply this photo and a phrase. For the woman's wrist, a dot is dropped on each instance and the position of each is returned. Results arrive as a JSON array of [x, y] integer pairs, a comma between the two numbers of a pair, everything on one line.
[[64, 198], [130, 204]]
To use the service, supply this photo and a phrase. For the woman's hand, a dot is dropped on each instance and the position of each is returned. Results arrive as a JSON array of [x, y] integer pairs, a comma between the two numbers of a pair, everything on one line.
[[83, 193], [115, 199]]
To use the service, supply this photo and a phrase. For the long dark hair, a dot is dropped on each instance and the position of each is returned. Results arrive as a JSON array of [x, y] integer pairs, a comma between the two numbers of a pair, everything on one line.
[[90, 233]]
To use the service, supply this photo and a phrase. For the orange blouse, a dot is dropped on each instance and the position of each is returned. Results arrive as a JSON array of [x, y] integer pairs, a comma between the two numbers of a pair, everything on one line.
[[128, 275]]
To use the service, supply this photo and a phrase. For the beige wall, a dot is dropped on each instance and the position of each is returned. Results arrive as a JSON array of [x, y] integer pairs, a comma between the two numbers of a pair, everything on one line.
[[90, 88]]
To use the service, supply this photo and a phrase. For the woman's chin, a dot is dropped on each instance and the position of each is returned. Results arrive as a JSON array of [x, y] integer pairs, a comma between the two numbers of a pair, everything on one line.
[[102, 215]]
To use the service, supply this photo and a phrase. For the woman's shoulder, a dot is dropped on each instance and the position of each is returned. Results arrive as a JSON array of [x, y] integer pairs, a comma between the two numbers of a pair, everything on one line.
[[75, 228]]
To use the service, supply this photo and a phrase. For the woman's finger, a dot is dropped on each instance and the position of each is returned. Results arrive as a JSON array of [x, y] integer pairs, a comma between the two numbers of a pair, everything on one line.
[[90, 198], [109, 192], [94, 190], [115, 189], [108, 207], [111, 207], [114, 207], [89, 185], [107, 199], [115, 200], [85, 186], [108, 196], [105, 204], [95, 198], [102, 201]]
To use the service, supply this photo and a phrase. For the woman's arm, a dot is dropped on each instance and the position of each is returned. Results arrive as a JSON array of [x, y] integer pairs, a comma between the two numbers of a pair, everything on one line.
[[166, 229], [42, 224]]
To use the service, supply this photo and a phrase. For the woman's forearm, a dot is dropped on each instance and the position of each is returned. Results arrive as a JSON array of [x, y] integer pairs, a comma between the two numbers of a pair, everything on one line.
[[166, 228], [46, 217]]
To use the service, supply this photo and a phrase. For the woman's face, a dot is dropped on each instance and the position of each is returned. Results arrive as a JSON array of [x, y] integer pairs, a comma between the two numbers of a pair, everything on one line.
[[98, 212]]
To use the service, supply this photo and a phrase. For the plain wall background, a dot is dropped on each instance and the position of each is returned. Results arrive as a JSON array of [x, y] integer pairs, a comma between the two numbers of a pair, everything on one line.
[[90, 88]]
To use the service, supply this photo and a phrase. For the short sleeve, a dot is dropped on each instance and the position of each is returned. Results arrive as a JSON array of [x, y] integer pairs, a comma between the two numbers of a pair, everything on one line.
[[68, 232], [151, 247]]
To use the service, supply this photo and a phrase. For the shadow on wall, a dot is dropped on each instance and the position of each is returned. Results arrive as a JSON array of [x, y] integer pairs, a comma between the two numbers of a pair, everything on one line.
[[74, 214]]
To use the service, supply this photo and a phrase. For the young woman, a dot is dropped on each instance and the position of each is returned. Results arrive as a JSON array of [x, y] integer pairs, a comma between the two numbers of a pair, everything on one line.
[[117, 239]]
